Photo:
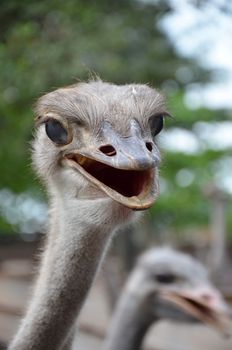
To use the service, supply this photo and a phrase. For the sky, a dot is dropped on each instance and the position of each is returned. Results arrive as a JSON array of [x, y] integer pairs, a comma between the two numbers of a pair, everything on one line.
[[206, 34]]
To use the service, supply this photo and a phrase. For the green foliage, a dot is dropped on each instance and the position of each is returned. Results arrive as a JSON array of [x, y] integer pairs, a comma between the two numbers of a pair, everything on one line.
[[183, 206], [185, 117]]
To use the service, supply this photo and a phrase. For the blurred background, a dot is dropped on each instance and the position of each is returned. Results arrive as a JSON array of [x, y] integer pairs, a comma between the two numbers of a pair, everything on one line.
[[184, 49]]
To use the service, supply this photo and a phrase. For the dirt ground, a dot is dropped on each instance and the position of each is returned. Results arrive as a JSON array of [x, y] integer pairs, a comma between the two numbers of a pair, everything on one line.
[[15, 289]]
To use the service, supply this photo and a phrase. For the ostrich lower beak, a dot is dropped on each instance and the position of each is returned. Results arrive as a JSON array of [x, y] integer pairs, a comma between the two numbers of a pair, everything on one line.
[[135, 189], [206, 307]]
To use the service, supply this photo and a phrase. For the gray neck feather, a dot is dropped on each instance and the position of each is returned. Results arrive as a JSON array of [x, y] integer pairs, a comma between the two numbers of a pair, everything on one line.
[[129, 325], [78, 237]]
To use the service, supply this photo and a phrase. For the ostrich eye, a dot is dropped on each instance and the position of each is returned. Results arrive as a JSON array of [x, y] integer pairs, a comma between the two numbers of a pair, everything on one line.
[[56, 132], [165, 278], [156, 124]]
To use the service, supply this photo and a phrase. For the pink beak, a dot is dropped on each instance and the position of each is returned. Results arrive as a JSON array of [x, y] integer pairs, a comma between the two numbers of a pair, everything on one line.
[[204, 303]]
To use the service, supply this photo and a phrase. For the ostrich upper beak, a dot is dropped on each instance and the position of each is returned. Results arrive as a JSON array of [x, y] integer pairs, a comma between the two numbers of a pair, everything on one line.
[[205, 304], [122, 167]]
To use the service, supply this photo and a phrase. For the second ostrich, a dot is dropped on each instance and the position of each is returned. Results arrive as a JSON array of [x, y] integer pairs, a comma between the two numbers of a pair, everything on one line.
[[95, 150], [164, 284]]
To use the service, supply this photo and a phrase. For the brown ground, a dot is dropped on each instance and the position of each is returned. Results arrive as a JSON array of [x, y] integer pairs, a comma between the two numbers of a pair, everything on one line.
[[15, 282]]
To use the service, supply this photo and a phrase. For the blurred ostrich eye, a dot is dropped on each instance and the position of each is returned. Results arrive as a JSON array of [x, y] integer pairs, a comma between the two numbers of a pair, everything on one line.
[[56, 132], [156, 124], [165, 278]]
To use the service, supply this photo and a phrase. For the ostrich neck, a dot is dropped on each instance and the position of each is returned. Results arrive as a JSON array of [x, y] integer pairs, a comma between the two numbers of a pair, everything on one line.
[[78, 236], [129, 325]]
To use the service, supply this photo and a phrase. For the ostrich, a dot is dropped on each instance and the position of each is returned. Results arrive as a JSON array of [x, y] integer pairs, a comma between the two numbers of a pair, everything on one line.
[[95, 150], [164, 284]]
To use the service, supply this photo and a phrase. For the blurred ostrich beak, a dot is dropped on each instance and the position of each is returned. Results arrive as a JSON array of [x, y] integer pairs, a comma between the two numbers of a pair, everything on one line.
[[204, 304]]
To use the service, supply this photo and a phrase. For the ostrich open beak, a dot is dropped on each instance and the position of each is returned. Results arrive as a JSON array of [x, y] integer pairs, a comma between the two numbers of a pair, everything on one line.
[[124, 168], [204, 304]]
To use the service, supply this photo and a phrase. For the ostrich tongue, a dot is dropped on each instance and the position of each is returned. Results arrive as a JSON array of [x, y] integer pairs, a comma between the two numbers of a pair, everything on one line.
[[216, 316]]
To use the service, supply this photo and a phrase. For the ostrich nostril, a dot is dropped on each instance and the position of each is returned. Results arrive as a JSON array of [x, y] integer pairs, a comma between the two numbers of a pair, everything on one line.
[[149, 146], [108, 150], [207, 297]]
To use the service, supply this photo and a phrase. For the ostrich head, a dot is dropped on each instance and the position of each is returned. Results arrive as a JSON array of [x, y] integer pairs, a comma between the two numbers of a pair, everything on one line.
[[98, 140], [173, 285]]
